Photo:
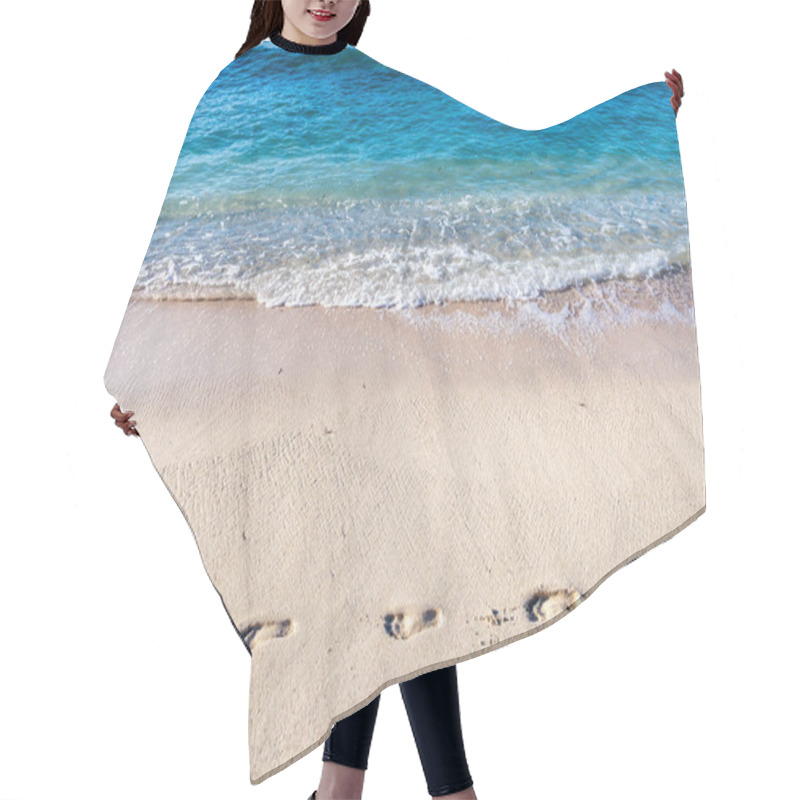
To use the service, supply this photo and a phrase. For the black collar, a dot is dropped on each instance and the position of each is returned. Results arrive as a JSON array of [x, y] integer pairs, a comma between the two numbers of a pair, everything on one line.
[[311, 49]]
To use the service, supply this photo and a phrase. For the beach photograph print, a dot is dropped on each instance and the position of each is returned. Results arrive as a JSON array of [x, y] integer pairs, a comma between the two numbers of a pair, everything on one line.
[[419, 381]]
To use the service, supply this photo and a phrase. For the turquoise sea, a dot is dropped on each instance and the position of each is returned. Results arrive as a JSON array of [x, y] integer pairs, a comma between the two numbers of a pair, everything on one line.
[[337, 180]]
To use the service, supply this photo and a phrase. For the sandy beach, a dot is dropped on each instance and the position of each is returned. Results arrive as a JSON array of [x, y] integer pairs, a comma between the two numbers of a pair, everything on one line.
[[503, 447]]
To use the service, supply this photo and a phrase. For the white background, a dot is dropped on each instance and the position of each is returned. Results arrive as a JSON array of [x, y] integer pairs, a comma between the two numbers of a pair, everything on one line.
[[121, 675]]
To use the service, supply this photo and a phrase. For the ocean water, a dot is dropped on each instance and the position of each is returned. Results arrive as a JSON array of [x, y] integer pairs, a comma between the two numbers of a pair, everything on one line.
[[338, 181]]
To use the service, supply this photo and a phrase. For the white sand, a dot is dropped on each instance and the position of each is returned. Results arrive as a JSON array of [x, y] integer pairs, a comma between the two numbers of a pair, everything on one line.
[[375, 498]]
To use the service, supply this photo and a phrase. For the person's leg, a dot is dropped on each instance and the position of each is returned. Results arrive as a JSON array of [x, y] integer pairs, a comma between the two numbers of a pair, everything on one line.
[[431, 701], [346, 753]]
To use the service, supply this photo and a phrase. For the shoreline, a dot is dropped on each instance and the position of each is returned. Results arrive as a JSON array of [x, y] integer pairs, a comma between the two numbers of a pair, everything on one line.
[[642, 295]]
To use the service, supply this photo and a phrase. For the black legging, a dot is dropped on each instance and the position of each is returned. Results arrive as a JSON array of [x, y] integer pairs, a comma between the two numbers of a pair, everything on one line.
[[431, 701]]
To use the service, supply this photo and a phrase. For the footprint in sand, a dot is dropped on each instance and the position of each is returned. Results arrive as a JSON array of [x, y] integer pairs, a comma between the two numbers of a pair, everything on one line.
[[404, 624], [544, 605], [267, 630], [539, 607]]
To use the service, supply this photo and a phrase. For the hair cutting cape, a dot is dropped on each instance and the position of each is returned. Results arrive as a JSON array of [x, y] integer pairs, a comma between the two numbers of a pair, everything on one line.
[[418, 380]]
